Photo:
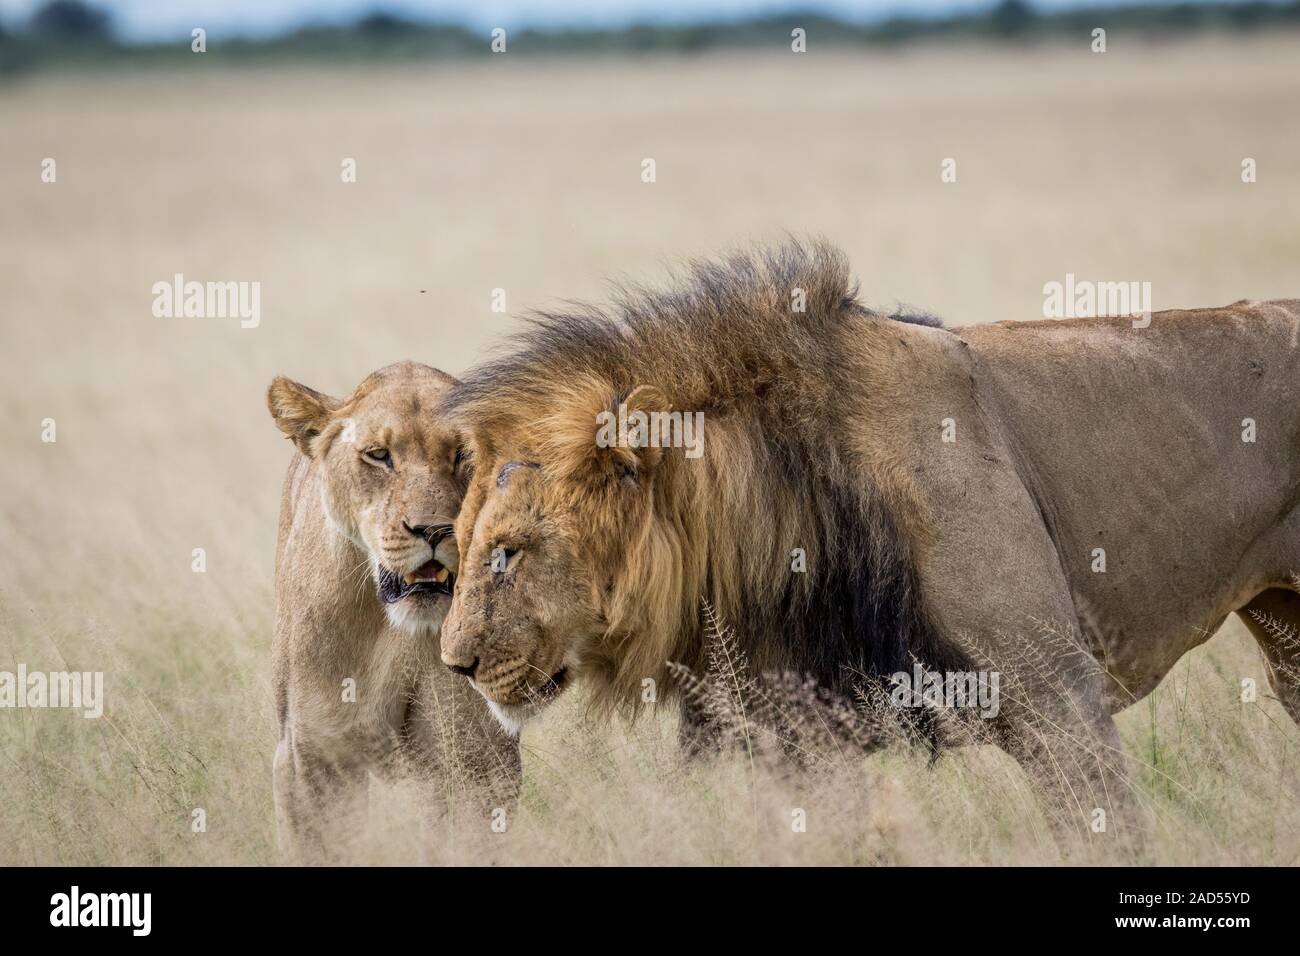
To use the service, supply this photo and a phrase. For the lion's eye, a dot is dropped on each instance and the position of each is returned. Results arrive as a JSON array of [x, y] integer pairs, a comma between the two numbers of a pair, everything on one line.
[[379, 455], [502, 559]]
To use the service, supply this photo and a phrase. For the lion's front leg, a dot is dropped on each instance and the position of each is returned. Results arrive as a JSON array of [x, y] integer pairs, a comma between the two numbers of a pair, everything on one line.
[[1054, 720], [1071, 751], [698, 733], [993, 585]]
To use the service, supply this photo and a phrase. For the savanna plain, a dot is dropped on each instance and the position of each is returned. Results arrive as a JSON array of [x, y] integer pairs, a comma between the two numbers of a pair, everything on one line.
[[525, 175]]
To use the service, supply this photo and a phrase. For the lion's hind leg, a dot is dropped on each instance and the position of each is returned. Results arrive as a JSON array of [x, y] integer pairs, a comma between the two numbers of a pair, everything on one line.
[[1273, 616]]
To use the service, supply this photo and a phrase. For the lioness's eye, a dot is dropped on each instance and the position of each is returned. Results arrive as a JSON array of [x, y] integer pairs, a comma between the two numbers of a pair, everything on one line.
[[377, 454]]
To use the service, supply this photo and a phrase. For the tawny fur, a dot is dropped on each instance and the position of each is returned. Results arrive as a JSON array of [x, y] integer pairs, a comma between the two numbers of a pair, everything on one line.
[[824, 432], [340, 517]]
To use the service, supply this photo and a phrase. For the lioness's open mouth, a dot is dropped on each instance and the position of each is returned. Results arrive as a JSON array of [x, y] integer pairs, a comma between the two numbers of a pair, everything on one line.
[[429, 578]]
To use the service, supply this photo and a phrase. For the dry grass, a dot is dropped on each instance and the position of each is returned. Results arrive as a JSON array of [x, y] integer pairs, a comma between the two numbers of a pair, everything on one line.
[[525, 176], [189, 726]]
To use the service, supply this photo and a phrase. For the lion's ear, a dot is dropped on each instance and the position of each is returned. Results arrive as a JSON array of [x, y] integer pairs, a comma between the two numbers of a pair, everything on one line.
[[632, 435], [300, 412]]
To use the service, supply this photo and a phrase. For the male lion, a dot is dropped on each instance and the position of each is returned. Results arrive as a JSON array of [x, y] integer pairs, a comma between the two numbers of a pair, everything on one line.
[[363, 580], [1075, 504]]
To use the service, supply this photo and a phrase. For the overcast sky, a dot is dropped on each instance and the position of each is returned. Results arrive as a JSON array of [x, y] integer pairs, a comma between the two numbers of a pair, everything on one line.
[[158, 19]]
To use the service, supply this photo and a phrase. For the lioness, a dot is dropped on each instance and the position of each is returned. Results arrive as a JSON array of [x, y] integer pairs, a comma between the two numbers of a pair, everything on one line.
[[364, 575], [1074, 503]]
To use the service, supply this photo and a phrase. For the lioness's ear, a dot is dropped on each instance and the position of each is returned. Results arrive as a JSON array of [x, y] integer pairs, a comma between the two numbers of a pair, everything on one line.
[[300, 412]]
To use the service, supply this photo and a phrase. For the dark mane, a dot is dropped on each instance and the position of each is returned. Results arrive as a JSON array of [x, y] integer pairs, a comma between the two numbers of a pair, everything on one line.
[[916, 317], [725, 340], [727, 327]]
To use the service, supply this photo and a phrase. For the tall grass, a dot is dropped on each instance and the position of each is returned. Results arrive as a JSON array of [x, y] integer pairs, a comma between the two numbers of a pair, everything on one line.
[[188, 725]]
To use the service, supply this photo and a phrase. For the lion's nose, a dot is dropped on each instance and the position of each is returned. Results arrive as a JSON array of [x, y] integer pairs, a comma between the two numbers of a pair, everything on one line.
[[460, 643], [428, 528], [465, 669]]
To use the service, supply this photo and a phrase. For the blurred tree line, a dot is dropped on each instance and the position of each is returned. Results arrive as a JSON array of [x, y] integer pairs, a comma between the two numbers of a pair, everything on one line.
[[73, 32]]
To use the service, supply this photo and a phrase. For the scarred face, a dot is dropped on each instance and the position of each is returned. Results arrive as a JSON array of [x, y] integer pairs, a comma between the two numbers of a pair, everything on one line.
[[527, 596]]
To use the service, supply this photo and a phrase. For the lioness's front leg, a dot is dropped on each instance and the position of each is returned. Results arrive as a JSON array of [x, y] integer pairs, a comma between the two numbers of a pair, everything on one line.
[[312, 794], [457, 748]]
